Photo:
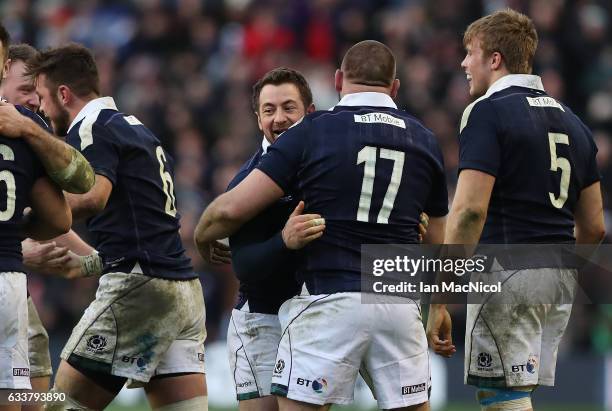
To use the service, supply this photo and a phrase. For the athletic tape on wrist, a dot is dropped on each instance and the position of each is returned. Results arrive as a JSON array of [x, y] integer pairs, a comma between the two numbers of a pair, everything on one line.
[[91, 264]]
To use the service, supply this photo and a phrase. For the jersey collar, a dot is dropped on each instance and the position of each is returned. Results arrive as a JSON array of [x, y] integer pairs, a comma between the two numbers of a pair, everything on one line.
[[367, 98], [264, 145], [94, 105], [519, 80]]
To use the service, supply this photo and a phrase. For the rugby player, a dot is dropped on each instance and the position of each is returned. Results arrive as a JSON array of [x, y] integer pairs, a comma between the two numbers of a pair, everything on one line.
[[64, 164], [262, 249], [25, 184], [369, 169], [146, 325], [527, 174], [18, 89]]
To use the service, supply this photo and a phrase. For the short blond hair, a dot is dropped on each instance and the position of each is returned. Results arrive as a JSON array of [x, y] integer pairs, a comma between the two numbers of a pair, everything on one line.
[[508, 32]]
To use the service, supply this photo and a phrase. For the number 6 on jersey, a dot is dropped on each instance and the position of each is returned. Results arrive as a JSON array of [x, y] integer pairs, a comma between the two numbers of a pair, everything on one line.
[[167, 182]]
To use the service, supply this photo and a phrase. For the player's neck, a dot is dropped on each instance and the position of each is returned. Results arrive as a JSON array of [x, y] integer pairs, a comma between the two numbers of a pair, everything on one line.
[[351, 88], [496, 75], [78, 103]]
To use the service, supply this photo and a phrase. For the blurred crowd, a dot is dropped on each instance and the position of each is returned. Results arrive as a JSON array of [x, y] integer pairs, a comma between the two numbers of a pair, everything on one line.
[[185, 68]]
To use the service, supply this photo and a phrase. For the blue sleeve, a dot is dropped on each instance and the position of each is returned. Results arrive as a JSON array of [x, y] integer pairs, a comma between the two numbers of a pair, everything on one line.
[[99, 147], [592, 174], [283, 159], [437, 203], [34, 117], [38, 170], [479, 146], [268, 256]]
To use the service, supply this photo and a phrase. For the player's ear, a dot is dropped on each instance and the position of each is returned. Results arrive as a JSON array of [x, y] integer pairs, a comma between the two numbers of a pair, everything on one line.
[[497, 60], [311, 108], [5, 69], [258, 121], [338, 78], [394, 88], [64, 94]]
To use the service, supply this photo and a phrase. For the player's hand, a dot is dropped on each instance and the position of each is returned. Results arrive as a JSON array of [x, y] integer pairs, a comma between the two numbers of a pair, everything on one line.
[[423, 224], [69, 267], [300, 229], [43, 257], [439, 331], [12, 123], [215, 252], [221, 253]]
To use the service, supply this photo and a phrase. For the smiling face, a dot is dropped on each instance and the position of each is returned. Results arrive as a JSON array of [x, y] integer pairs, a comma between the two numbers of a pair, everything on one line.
[[477, 68], [280, 106], [19, 89]]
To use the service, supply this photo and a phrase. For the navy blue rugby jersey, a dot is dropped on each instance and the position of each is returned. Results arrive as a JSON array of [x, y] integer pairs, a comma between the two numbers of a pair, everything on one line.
[[369, 169], [19, 169], [540, 153], [265, 267], [140, 222]]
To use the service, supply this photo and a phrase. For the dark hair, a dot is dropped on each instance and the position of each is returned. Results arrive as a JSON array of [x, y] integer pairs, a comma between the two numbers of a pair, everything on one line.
[[369, 63], [72, 65], [278, 76], [5, 38], [22, 51]]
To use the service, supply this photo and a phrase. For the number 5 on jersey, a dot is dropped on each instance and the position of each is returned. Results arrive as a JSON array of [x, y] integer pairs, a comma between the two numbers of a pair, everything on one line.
[[557, 163], [167, 182]]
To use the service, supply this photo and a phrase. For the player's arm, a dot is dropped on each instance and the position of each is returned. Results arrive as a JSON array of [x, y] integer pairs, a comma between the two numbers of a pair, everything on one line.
[[465, 223], [588, 216], [228, 212], [93, 202], [276, 252], [50, 215], [469, 209], [74, 243], [64, 164]]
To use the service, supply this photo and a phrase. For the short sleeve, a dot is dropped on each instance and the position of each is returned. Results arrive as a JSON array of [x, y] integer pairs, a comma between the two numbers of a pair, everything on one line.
[[437, 203], [282, 161], [592, 174], [99, 148], [479, 146]]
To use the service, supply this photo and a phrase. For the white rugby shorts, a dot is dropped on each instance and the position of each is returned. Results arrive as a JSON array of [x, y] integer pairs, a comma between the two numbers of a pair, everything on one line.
[[512, 338], [252, 343], [140, 326], [38, 344], [14, 365], [328, 339]]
